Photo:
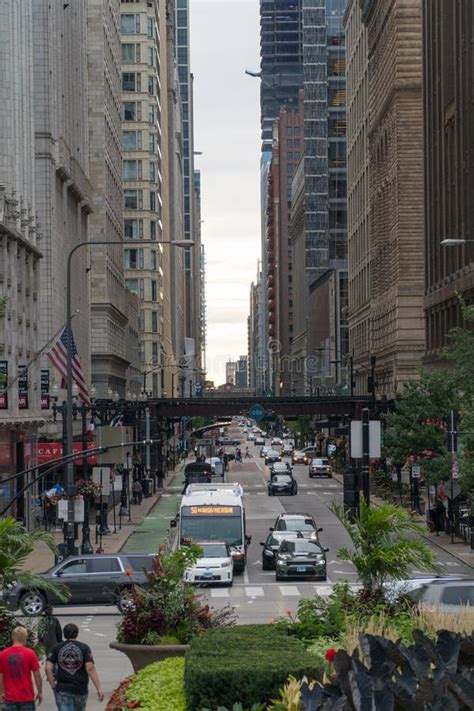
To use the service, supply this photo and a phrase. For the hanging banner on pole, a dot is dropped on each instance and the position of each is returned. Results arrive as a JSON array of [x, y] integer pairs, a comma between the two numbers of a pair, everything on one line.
[[375, 439]]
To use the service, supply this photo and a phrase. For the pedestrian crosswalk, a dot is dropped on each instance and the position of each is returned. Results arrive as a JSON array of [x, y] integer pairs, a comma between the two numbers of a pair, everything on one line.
[[270, 591]]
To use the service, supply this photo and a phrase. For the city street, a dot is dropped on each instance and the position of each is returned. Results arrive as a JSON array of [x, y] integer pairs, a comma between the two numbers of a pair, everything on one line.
[[255, 595]]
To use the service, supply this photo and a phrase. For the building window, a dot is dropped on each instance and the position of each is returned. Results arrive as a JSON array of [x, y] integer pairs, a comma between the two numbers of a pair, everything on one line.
[[151, 142], [153, 231], [132, 170], [153, 261], [150, 56], [154, 352], [154, 321], [182, 55], [132, 140], [151, 113], [151, 86], [133, 259], [152, 201], [136, 286], [289, 130], [133, 199], [132, 111], [141, 320], [128, 53], [130, 24], [154, 290], [131, 81], [149, 27], [133, 229], [152, 172]]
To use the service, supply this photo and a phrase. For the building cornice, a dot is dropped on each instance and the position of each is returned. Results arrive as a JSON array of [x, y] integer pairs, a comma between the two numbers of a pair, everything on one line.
[[8, 231]]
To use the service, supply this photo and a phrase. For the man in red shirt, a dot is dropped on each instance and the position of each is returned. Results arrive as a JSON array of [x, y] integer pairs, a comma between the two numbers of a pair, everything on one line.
[[17, 664]]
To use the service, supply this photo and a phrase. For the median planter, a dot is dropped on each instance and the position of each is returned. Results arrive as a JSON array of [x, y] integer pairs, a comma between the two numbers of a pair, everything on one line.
[[141, 655]]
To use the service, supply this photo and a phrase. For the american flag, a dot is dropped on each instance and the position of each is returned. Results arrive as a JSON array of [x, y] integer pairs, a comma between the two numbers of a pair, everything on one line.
[[58, 357]]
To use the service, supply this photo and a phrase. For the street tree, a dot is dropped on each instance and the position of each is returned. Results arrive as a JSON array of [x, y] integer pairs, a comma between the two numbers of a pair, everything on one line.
[[386, 545]]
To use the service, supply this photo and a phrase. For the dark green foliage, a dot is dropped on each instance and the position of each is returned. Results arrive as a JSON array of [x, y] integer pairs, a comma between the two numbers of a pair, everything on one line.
[[246, 665], [425, 675]]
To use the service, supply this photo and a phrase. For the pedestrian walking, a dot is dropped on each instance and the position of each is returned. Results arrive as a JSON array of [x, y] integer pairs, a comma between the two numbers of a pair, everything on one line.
[[19, 666], [226, 462], [247, 453], [137, 490], [49, 630], [68, 669]]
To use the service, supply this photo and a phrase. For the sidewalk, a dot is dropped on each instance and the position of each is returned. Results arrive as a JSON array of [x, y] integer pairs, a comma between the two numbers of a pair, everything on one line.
[[460, 550], [41, 558]]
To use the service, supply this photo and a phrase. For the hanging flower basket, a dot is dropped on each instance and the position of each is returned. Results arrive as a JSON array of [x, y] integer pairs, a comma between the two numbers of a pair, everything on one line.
[[87, 487]]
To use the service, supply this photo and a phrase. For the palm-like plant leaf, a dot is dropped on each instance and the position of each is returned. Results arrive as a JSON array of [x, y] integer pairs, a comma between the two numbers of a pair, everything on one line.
[[16, 544], [386, 544]]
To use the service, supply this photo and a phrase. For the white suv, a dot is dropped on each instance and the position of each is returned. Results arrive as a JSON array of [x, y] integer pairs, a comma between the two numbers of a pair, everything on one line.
[[216, 565]]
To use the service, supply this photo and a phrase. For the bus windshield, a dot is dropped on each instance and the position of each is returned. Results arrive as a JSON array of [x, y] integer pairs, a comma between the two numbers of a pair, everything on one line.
[[211, 524]]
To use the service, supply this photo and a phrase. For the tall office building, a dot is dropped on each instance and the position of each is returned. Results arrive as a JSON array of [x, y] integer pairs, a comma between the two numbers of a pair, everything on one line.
[[358, 196], [191, 221], [397, 278], [21, 403], [64, 194], [109, 307], [144, 93], [281, 66], [449, 149]]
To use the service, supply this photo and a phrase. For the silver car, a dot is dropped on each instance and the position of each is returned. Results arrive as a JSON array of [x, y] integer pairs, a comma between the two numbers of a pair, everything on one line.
[[446, 595]]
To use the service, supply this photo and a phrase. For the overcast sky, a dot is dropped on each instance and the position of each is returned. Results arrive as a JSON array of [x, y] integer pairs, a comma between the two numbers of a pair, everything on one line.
[[225, 42]]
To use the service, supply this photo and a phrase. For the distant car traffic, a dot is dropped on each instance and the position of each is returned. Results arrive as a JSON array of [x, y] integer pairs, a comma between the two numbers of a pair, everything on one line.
[[263, 451], [90, 579], [276, 442], [214, 566], [286, 450], [320, 466], [259, 441], [298, 522], [280, 468], [272, 456], [281, 484], [299, 457], [299, 558], [271, 546], [251, 437]]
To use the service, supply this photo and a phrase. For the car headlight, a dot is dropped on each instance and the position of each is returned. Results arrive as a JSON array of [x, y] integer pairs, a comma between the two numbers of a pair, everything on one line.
[[225, 565], [319, 559], [314, 536], [284, 557]]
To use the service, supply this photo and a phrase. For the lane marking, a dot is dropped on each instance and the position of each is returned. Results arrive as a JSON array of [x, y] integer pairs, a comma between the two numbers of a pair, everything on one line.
[[254, 592], [451, 563], [289, 590], [219, 592], [246, 576]]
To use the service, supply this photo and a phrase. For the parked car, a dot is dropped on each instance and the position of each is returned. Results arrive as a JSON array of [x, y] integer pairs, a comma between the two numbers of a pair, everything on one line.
[[300, 557], [91, 580], [231, 441], [297, 522], [445, 595], [263, 451], [216, 564], [272, 456], [259, 441], [320, 466], [281, 484], [271, 546], [299, 457]]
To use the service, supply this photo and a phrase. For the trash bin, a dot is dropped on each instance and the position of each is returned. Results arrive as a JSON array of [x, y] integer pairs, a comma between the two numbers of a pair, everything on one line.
[[146, 487]]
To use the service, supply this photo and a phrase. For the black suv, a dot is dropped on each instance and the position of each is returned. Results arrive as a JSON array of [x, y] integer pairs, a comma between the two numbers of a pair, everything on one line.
[[91, 579], [282, 484]]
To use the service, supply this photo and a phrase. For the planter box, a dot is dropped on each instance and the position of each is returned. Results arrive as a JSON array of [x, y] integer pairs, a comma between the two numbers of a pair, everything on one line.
[[141, 655]]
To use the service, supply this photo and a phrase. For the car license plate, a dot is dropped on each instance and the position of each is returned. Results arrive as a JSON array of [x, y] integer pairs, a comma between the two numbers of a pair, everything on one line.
[[301, 569], [207, 574]]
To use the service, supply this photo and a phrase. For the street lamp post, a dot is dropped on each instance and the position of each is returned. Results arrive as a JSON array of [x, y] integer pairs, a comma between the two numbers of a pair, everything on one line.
[[70, 487]]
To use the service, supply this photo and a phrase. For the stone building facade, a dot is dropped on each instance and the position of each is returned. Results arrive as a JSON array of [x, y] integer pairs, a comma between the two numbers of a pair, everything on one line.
[[449, 165], [108, 294], [358, 200], [397, 266], [62, 187]]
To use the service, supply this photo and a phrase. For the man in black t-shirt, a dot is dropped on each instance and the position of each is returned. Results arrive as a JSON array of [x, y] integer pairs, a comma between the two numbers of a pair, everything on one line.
[[68, 669]]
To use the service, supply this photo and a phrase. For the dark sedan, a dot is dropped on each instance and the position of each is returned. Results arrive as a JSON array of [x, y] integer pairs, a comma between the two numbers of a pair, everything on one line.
[[90, 579], [300, 558], [281, 484], [272, 456], [280, 468], [271, 546]]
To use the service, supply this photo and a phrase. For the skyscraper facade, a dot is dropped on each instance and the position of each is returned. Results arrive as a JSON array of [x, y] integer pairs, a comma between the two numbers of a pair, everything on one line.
[[449, 150]]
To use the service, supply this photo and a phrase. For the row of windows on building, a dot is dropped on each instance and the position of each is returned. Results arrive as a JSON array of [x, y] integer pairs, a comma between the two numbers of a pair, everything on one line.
[[132, 82], [134, 229], [133, 141], [134, 24], [133, 200], [135, 259], [132, 53], [145, 289]]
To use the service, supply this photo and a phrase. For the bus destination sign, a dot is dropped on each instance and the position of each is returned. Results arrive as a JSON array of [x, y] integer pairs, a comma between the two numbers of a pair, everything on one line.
[[211, 511]]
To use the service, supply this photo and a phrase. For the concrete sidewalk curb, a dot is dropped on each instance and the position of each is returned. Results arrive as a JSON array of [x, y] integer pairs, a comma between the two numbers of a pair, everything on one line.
[[378, 501]]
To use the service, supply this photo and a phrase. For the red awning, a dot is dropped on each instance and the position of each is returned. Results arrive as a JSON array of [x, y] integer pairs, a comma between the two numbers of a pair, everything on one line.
[[47, 451]]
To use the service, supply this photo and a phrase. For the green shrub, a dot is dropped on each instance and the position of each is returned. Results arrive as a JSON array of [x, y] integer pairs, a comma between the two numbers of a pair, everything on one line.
[[159, 686], [246, 664], [318, 616]]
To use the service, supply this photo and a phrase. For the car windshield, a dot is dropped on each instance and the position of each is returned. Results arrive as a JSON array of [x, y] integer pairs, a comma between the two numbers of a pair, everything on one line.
[[272, 453], [279, 467], [281, 479], [321, 462], [300, 546], [214, 550], [295, 524]]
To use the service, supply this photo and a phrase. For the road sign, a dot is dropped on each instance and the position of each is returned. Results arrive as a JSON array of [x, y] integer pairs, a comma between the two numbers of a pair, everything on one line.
[[415, 471], [374, 439], [256, 412], [455, 469]]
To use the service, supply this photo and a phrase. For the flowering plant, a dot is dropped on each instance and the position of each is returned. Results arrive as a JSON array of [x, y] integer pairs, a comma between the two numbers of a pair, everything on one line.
[[87, 487]]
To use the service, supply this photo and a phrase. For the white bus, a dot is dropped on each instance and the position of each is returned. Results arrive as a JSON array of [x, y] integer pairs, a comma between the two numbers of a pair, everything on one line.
[[215, 513]]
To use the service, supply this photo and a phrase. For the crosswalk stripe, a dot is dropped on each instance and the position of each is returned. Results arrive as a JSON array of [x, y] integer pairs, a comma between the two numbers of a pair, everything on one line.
[[219, 592], [289, 590], [254, 592]]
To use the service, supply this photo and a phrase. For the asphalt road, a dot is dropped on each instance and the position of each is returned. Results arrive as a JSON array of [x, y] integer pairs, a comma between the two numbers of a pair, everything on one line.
[[255, 595]]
